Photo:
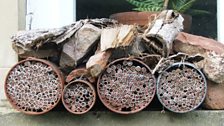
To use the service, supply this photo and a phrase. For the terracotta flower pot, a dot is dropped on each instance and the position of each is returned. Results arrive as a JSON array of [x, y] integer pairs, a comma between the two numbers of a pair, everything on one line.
[[142, 18]]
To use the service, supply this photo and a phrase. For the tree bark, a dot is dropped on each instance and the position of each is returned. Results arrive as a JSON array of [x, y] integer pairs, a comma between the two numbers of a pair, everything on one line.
[[161, 33]]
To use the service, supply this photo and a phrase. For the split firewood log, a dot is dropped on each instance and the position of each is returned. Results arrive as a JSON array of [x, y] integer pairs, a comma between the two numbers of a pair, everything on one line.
[[83, 43], [111, 38], [120, 36], [98, 62], [79, 45]]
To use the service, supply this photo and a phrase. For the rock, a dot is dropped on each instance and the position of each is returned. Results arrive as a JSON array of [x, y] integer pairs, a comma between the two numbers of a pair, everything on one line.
[[193, 44], [211, 50], [215, 96], [214, 67]]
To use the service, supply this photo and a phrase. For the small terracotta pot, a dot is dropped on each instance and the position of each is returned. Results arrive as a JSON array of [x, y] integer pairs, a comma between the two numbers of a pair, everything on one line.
[[143, 18], [75, 95]]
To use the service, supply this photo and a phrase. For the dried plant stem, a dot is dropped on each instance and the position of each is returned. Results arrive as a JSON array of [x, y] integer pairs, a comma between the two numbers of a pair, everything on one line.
[[165, 5]]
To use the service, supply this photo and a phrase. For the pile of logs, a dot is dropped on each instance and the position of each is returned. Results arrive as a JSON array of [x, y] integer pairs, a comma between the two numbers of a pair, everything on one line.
[[84, 49]]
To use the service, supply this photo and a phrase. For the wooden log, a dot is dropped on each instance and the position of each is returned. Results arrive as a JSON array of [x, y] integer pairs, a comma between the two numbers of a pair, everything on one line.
[[162, 31], [150, 60], [83, 43], [97, 63], [112, 40]]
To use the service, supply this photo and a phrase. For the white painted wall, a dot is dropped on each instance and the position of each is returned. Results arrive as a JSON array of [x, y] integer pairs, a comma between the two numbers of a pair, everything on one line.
[[50, 13], [8, 57], [220, 16], [8, 27]]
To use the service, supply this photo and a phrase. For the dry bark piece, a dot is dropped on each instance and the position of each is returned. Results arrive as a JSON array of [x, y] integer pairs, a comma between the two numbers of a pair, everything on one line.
[[80, 73], [35, 42], [150, 60], [33, 39], [76, 73], [162, 31], [193, 44], [136, 49], [71, 30], [215, 96]]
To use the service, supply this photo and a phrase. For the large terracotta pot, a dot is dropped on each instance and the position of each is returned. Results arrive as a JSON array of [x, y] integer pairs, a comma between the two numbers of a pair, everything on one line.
[[142, 18]]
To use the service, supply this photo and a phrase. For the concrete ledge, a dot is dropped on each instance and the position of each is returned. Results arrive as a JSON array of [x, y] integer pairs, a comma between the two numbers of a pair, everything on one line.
[[152, 118]]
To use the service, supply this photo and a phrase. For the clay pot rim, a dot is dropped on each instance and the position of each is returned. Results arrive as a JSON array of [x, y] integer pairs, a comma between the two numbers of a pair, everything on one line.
[[54, 68], [128, 112], [142, 12], [144, 17], [189, 65], [85, 83]]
